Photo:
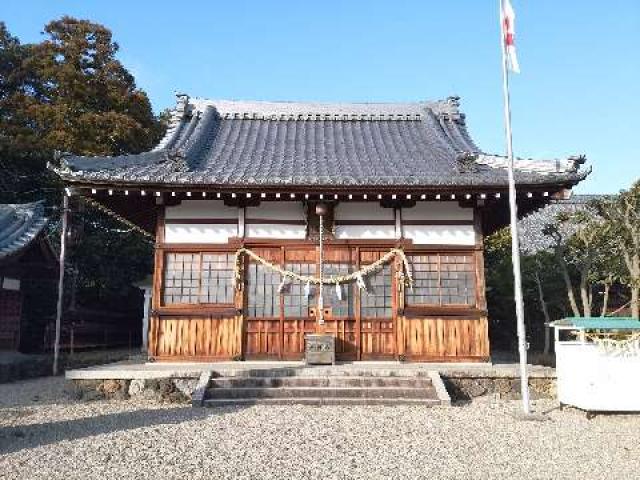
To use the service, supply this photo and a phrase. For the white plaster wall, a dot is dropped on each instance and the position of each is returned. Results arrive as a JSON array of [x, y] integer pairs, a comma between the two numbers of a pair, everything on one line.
[[285, 210], [362, 211], [277, 231], [373, 232], [201, 209], [437, 211], [192, 233], [440, 234]]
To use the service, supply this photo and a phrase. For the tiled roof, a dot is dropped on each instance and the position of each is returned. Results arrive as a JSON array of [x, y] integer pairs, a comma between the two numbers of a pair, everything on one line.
[[246, 144], [20, 224], [531, 227]]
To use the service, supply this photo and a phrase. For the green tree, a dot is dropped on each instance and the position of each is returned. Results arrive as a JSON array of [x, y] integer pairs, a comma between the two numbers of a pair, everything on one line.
[[21, 161], [70, 93], [538, 272], [89, 101], [583, 247], [622, 215]]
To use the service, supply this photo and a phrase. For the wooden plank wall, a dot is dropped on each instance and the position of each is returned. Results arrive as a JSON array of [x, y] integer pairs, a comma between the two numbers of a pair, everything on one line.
[[262, 338], [195, 337], [377, 339], [419, 336], [444, 339]]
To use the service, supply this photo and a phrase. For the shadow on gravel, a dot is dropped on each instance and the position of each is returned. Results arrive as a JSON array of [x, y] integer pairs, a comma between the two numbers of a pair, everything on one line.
[[14, 439]]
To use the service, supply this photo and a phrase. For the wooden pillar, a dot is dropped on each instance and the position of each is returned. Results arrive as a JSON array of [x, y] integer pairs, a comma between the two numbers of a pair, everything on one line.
[[241, 221], [281, 303], [240, 302], [356, 308], [158, 267], [397, 215], [483, 349], [145, 318], [59, 306], [481, 300]]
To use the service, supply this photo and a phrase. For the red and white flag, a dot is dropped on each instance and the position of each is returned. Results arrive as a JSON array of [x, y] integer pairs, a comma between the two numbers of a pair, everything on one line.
[[508, 34]]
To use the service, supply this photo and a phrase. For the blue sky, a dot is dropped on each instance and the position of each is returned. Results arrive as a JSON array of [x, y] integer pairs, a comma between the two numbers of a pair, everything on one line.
[[579, 90]]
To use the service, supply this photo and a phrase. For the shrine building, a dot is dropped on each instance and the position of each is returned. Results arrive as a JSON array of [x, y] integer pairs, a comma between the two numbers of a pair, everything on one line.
[[234, 196]]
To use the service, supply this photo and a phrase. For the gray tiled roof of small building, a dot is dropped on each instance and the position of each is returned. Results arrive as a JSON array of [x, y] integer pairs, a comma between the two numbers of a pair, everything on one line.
[[211, 142], [531, 227], [20, 224]]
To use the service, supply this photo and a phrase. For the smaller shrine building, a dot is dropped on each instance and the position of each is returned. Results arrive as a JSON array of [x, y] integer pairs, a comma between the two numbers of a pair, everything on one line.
[[28, 273]]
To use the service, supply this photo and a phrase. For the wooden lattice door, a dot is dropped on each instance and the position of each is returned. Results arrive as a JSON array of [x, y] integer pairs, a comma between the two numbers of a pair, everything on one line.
[[363, 322], [378, 311], [262, 332], [10, 314], [341, 319]]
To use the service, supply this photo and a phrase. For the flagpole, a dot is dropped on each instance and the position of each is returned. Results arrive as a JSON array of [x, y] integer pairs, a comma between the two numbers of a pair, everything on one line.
[[513, 215]]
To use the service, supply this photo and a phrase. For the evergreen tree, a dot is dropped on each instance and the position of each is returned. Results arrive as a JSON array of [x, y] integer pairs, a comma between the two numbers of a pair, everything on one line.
[[89, 103], [70, 93]]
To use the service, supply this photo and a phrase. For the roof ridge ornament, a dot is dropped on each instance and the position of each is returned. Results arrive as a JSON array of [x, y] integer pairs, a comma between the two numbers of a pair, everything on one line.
[[59, 155], [545, 167], [177, 158], [454, 101], [574, 162], [467, 162], [182, 102], [177, 115], [59, 161]]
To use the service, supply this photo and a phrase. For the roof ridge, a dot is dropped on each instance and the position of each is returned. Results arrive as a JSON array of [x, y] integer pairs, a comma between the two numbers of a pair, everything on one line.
[[311, 110], [310, 102], [176, 122]]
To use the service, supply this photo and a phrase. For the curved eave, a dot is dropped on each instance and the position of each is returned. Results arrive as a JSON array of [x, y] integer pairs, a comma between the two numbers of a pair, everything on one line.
[[415, 186], [24, 233]]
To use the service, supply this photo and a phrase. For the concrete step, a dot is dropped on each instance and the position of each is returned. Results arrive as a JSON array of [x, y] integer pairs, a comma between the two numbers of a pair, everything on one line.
[[322, 392], [346, 381], [319, 401]]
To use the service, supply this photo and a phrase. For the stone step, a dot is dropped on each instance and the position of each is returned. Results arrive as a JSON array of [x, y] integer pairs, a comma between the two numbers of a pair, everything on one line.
[[329, 371], [347, 381], [322, 392], [320, 401]]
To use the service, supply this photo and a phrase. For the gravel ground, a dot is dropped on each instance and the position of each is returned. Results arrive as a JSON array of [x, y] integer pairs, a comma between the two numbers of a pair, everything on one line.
[[44, 433]]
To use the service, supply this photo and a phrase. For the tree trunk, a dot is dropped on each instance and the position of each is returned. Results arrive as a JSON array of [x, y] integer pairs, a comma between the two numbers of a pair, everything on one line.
[[633, 266], [545, 313], [635, 287], [605, 300], [584, 294], [567, 282]]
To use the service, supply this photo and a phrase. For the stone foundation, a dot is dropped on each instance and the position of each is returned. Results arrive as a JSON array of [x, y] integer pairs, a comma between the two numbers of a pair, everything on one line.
[[169, 390], [180, 390], [508, 388], [17, 366]]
